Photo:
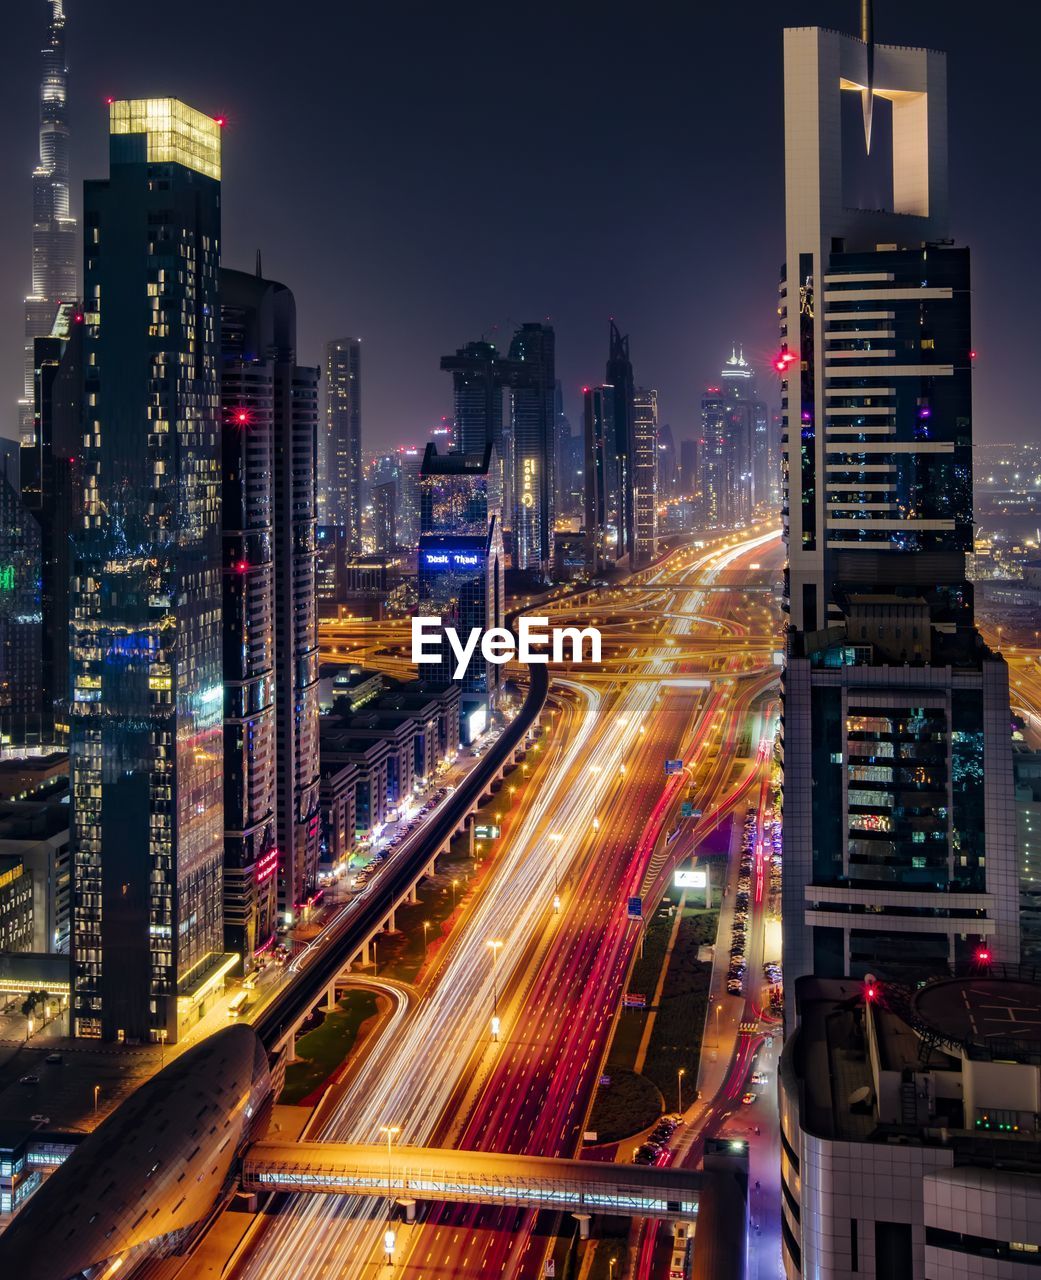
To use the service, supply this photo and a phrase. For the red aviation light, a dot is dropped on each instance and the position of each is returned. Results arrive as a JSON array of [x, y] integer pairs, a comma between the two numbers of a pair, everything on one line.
[[784, 359], [220, 121], [983, 955], [241, 566]]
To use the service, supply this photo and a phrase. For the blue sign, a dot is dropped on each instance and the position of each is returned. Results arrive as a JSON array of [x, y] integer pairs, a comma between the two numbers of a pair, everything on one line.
[[686, 809], [673, 766], [635, 908], [452, 559]]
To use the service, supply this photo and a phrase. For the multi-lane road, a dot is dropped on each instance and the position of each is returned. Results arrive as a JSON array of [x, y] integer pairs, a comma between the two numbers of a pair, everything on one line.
[[585, 833]]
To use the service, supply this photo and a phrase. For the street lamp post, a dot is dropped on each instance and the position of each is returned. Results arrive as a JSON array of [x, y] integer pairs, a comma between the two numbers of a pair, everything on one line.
[[97, 1090], [495, 945], [426, 929], [719, 1010], [455, 886], [679, 1086]]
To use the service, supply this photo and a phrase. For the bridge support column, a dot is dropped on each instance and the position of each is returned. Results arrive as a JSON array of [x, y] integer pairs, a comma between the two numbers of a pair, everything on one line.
[[364, 956], [471, 824], [392, 921], [330, 996], [291, 1047], [412, 896], [583, 1224], [410, 1208], [431, 868]]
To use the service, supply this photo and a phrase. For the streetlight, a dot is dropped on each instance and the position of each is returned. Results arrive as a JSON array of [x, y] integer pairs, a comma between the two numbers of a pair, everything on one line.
[[455, 886], [426, 927], [97, 1090], [555, 837], [679, 1085], [495, 945], [163, 1033], [391, 1130], [719, 1010]]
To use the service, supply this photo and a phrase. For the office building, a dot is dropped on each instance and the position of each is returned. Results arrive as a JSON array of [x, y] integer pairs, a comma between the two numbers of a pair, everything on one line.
[[479, 373], [54, 277], [384, 517], [21, 615], [909, 1130], [50, 490], [461, 569], [604, 512], [343, 437], [533, 445], [899, 814], [409, 464], [734, 428], [620, 379], [35, 833], [645, 476], [146, 736]]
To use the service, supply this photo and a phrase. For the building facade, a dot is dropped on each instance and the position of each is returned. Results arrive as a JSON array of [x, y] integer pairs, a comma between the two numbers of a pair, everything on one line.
[[21, 615], [54, 228], [645, 475], [603, 510], [146, 737], [533, 447], [461, 568], [343, 438], [896, 723]]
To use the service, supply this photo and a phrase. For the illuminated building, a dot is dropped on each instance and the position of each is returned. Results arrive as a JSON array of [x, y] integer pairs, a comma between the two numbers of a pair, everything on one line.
[[343, 437], [899, 814], [49, 490], [146, 739], [257, 368], [461, 568], [16, 904], [384, 506], [21, 616], [54, 228], [479, 374], [409, 463], [603, 514], [909, 1129], [645, 475], [620, 379], [533, 440], [733, 457]]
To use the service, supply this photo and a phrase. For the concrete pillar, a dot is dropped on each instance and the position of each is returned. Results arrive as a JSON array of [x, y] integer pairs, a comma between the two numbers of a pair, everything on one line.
[[392, 921], [431, 868], [291, 1047], [470, 825], [330, 997], [409, 1206], [365, 954], [583, 1225], [412, 896]]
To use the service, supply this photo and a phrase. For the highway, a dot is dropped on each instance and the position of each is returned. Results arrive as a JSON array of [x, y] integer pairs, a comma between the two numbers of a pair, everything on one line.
[[443, 1063]]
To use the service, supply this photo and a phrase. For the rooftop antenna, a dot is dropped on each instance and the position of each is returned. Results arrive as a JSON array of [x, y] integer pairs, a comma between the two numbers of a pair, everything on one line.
[[867, 95]]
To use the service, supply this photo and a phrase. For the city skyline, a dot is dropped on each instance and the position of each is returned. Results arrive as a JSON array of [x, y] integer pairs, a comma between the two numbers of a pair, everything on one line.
[[514, 267]]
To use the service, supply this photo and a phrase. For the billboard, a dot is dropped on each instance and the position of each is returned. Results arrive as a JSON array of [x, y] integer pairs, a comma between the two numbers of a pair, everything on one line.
[[673, 766], [688, 878], [635, 908], [448, 560]]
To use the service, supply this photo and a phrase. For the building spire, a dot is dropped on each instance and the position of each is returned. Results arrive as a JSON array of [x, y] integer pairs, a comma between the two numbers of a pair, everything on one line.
[[867, 94]]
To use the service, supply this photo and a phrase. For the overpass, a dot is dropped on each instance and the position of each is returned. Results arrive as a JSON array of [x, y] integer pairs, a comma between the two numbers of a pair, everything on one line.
[[351, 933], [407, 1174]]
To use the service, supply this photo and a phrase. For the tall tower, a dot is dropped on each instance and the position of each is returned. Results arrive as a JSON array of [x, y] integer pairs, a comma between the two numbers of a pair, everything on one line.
[[343, 438], [146, 731], [533, 420], [645, 475], [54, 228], [898, 792], [620, 377]]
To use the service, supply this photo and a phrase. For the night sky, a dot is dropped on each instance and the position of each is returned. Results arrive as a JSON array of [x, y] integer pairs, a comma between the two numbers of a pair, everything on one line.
[[421, 174]]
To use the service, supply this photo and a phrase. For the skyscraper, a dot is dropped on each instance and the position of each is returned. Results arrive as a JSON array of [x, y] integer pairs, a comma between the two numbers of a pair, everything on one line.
[[461, 567], [21, 616], [533, 422], [734, 434], [343, 437], [645, 475], [898, 812], [603, 511], [479, 373], [620, 378], [256, 350], [147, 691], [49, 489], [54, 228]]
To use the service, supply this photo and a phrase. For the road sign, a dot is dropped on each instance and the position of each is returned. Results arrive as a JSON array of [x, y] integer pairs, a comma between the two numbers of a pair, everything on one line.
[[635, 908], [605, 1081], [551, 1268], [673, 766], [686, 809], [634, 1000], [685, 878], [487, 832]]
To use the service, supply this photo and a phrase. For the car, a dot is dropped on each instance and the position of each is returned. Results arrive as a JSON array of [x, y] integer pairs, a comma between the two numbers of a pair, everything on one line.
[[749, 1098], [40, 1119], [29, 1080], [55, 1059], [759, 1077]]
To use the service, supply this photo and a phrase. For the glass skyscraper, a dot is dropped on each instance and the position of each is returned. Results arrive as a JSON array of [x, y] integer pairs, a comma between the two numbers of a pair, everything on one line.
[[343, 438], [146, 675], [54, 227]]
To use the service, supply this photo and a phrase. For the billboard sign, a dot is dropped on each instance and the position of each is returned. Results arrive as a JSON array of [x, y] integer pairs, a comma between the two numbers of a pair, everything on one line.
[[688, 878], [673, 766]]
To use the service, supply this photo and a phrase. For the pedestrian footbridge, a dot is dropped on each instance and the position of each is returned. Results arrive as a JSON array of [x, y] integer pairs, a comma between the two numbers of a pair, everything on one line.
[[476, 1177]]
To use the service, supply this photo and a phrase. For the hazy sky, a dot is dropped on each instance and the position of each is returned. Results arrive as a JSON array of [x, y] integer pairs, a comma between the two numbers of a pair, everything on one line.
[[424, 172]]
